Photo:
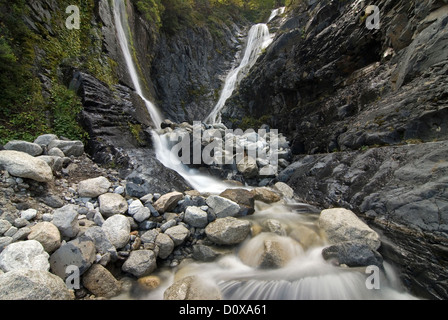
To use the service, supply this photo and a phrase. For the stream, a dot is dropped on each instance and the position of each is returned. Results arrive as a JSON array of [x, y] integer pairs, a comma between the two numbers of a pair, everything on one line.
[[294, 268]]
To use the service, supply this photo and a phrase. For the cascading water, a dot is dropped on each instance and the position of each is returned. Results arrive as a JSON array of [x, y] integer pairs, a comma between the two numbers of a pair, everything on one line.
[[120, 20], [200, 182], [293, 268], [276, 12], [258, 39]]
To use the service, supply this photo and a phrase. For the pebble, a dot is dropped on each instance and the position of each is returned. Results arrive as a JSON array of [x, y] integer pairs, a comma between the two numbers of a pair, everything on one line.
[[119, 190], [28, 214], [11, 231], [20, 222], [168, 224], [47, 217]]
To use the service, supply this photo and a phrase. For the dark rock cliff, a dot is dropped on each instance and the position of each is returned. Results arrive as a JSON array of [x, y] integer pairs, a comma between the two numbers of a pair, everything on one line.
[[366, 113]]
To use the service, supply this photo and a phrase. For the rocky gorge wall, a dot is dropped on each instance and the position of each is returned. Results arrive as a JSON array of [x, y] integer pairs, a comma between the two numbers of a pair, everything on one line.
[[365, 111]]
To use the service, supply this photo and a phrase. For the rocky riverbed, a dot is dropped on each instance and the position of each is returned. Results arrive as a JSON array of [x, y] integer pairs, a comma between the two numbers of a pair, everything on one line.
[[63, 216]]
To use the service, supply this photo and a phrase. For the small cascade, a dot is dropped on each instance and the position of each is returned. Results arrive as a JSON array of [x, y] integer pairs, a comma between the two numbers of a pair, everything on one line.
[[276, 13], [258, 39], [120, 22]]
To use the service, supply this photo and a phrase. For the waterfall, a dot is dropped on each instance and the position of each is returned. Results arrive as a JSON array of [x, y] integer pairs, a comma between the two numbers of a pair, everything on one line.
[[300, 271], [198, 181], [276, 12], [120, 21], [258, 39]]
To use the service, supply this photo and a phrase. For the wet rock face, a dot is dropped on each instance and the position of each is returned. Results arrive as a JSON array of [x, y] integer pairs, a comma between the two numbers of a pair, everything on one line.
[[329, 83], [188, 79]]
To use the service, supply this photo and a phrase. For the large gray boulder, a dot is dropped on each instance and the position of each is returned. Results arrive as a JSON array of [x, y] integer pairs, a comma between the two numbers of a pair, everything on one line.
[[102, 244], [69, 148], [342, 225], [32, 149], [66, 220], [140, 263], [79, 253], [353, 254], [196, 217], [33, 285], [178, 234], [228, 231], [21, 164], [223, 207], [117, 229], [94, 187], [45, 139], [165, 244], [112, 203], [24, 255]]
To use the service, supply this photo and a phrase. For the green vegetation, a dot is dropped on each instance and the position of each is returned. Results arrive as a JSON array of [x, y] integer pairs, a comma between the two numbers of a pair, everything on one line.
[[174, 15], [37, 54], [46, 48], [136, 131]]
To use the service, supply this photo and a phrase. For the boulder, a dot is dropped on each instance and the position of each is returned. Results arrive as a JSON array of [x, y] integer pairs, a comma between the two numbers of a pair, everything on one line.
[[69, 148], [32, 149], [56, 152], [165, 244], [222, 207], [192, 288], [94, 187], [134, 206], [66, 220], [342, 225], [284, 189], [24, 255], [78, 252], [117, 229], [196, 217], [265, 195], [99, 281], [47, 234], [140, 263], [168, 201], [28, 214], [149, 236], [33, 285], [248, 167], [178, 234], [353, 254], [142, 214], [45, 139], [20, 164], [243, 197], [228, 231], [112, 203], [102, 244]]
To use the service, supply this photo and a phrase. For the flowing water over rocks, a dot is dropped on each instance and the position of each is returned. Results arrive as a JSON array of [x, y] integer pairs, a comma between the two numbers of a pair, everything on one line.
[[242, 234]]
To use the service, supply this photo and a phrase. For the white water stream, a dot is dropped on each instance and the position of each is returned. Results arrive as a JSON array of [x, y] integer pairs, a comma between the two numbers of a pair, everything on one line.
[[305, 275], [258, 39]]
